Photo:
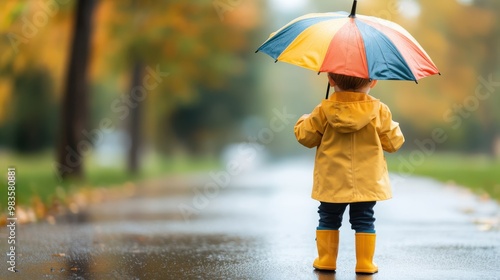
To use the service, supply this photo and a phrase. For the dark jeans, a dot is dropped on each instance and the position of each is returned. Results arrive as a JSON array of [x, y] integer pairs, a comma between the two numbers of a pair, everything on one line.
[[360, 216]]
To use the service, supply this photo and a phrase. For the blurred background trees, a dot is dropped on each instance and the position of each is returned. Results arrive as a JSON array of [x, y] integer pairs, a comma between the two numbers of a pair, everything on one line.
[[167, 77], [180, 78]]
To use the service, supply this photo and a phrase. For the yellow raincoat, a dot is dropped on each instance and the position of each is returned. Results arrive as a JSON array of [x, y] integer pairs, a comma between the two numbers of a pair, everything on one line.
[[351, 131]]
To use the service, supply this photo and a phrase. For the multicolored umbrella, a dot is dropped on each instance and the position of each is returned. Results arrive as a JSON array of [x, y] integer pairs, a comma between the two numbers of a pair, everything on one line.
[[350, 44]]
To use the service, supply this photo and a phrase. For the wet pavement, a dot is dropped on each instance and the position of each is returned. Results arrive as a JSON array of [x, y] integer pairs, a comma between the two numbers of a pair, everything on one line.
[[260, 225]]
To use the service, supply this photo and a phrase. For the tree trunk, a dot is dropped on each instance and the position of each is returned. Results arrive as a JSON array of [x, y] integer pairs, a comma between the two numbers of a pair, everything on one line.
[[491, 130], [72, 146], [134, 127]]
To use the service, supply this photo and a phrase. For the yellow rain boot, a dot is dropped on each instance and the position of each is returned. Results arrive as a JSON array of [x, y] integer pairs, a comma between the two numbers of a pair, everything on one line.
[[327, 242], [365, 248]]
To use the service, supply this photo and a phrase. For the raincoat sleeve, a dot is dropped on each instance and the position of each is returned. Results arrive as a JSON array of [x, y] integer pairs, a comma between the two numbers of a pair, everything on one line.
[[389, 132], [310, 127]]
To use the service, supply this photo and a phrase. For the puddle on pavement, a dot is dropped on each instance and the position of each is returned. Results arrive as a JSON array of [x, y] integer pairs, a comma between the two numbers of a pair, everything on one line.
[[140, 257]]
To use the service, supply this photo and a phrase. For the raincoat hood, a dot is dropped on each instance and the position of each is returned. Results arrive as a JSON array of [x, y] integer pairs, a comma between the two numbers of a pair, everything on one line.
[[349, 112], [350, 131]]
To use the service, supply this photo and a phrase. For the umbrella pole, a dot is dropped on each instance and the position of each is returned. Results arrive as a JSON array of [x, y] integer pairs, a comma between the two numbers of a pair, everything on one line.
[[353, 10], [327, 90]]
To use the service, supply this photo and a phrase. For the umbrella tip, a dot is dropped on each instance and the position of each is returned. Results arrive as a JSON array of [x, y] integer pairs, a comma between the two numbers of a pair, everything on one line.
[[353, 10], [256, 51], [276, 61]]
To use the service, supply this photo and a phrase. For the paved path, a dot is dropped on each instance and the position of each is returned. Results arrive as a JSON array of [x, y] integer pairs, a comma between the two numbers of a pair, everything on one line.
[[261, 226]]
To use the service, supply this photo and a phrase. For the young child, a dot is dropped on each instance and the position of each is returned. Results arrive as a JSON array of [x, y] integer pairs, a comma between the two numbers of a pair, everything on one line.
[[351, 131]]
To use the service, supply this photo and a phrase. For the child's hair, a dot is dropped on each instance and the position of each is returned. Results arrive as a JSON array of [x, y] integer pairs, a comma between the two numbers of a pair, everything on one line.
[[349, 82]]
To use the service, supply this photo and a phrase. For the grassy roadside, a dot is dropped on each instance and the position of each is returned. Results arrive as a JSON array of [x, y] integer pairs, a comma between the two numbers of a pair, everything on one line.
[[479, 173], [36, 178]]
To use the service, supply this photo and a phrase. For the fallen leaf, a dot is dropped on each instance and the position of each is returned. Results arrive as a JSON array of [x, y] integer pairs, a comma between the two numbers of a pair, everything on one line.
[[51, 220], [59, 255]]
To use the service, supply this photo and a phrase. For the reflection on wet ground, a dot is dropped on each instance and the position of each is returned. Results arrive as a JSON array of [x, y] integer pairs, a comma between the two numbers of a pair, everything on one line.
[[261, 227], [159, 257]]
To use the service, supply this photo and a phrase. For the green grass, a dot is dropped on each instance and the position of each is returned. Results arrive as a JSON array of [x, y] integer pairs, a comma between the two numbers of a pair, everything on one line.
[[36, 177], [479, 173], [35, 174]]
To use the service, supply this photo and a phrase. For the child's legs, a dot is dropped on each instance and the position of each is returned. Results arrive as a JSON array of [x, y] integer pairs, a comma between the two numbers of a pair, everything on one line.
[[330, 215], [361, 216]]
